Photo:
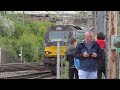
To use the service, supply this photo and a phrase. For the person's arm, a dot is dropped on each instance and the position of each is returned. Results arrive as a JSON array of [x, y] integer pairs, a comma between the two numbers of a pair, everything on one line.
[[78, 54], [99, 52], [69, 53], [70, 50]]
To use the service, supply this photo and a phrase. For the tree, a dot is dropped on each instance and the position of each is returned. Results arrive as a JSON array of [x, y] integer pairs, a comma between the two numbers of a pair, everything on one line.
[[7, 27], [30, 36]]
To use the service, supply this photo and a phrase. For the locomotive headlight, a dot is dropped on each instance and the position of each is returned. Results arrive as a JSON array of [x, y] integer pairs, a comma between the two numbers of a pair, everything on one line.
[[47, 52]]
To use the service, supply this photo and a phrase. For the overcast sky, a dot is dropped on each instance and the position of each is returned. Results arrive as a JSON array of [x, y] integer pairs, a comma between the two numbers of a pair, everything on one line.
[[45, 12]]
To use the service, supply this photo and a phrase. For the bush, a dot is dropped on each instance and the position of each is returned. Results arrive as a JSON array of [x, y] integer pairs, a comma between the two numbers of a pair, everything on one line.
[[9, 46], [29, 36], [7, 27]]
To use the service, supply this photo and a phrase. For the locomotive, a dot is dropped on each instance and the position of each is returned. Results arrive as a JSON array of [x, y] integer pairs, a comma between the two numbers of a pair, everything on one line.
[[50, 47]]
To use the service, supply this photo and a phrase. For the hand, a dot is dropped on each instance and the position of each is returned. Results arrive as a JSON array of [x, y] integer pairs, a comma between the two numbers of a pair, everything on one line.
[[85, 54], [94, 54]]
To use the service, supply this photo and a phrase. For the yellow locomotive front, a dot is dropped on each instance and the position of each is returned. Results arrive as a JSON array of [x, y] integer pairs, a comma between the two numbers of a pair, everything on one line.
[[51, 51]]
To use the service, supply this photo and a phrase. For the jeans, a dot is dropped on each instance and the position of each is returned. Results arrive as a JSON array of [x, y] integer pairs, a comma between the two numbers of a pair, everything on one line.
[[87, 75]]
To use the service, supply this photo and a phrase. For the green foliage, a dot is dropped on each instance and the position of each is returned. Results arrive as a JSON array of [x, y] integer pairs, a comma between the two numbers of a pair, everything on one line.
[[118, 29], [65, 70], [80, 37], [29, 44], [9, 46], [6, 27], [29, 36], [21, 29], [39, 28], [116, 41]]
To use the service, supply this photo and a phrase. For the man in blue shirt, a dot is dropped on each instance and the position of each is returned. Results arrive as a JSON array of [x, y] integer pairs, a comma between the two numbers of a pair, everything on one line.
[[89, 53]]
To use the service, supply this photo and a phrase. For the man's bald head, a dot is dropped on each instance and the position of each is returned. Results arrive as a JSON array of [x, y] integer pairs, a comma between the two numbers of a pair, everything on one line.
[[89, 36], [89, 33]]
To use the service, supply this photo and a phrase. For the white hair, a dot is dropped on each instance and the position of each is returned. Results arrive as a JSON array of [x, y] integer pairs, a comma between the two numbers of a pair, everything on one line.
[[90, 32]]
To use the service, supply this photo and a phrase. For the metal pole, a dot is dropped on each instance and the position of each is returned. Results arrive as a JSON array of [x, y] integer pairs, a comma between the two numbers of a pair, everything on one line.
[[104, 21], [117, 65], [94, 22], [103, 26], [23, 17], [113, 32], [21, 53], [107, 46], [88, 22], [64, 18], [0, 55], [95, 26], [100, 21], [61, 69], [58, 59]]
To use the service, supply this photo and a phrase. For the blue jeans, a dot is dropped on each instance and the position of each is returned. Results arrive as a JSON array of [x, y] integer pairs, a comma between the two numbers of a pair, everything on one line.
[[87, 75]]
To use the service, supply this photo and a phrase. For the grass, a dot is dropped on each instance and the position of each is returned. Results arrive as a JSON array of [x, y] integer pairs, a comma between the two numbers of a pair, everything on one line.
[[64, 69]]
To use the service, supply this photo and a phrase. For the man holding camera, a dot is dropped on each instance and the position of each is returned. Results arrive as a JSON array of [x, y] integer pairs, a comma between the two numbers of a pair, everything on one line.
[[89, 53]]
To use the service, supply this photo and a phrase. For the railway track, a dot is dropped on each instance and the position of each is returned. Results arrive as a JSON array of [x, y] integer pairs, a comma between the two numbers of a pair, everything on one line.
[[33, 75], [21, 66], [25, 71]]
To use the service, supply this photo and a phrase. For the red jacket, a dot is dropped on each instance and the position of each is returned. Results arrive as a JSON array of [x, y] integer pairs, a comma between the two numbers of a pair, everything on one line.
[[101, 43]]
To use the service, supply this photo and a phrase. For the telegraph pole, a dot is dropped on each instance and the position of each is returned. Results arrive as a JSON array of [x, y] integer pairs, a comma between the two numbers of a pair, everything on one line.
[[100, 21], [113, 51], [94, 21], [89, 13], [111, 33], [107, 63], [107, 23]]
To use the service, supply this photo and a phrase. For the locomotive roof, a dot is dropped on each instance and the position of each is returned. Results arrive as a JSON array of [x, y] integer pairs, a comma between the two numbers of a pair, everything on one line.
[[66, 27]]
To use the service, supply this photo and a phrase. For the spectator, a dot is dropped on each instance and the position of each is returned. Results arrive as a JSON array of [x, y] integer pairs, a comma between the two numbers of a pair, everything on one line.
[[101, 65], [89, 53], [70, 57]]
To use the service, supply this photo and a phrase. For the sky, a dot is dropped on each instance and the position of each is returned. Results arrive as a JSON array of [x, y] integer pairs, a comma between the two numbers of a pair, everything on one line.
[[46, 12]]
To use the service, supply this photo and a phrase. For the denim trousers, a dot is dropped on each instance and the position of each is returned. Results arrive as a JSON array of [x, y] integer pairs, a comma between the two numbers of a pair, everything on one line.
[[87, 75]]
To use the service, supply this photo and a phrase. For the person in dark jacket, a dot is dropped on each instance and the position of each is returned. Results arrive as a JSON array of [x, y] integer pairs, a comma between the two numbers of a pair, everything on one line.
[[89, 53], [70, 52], [101, 65]]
